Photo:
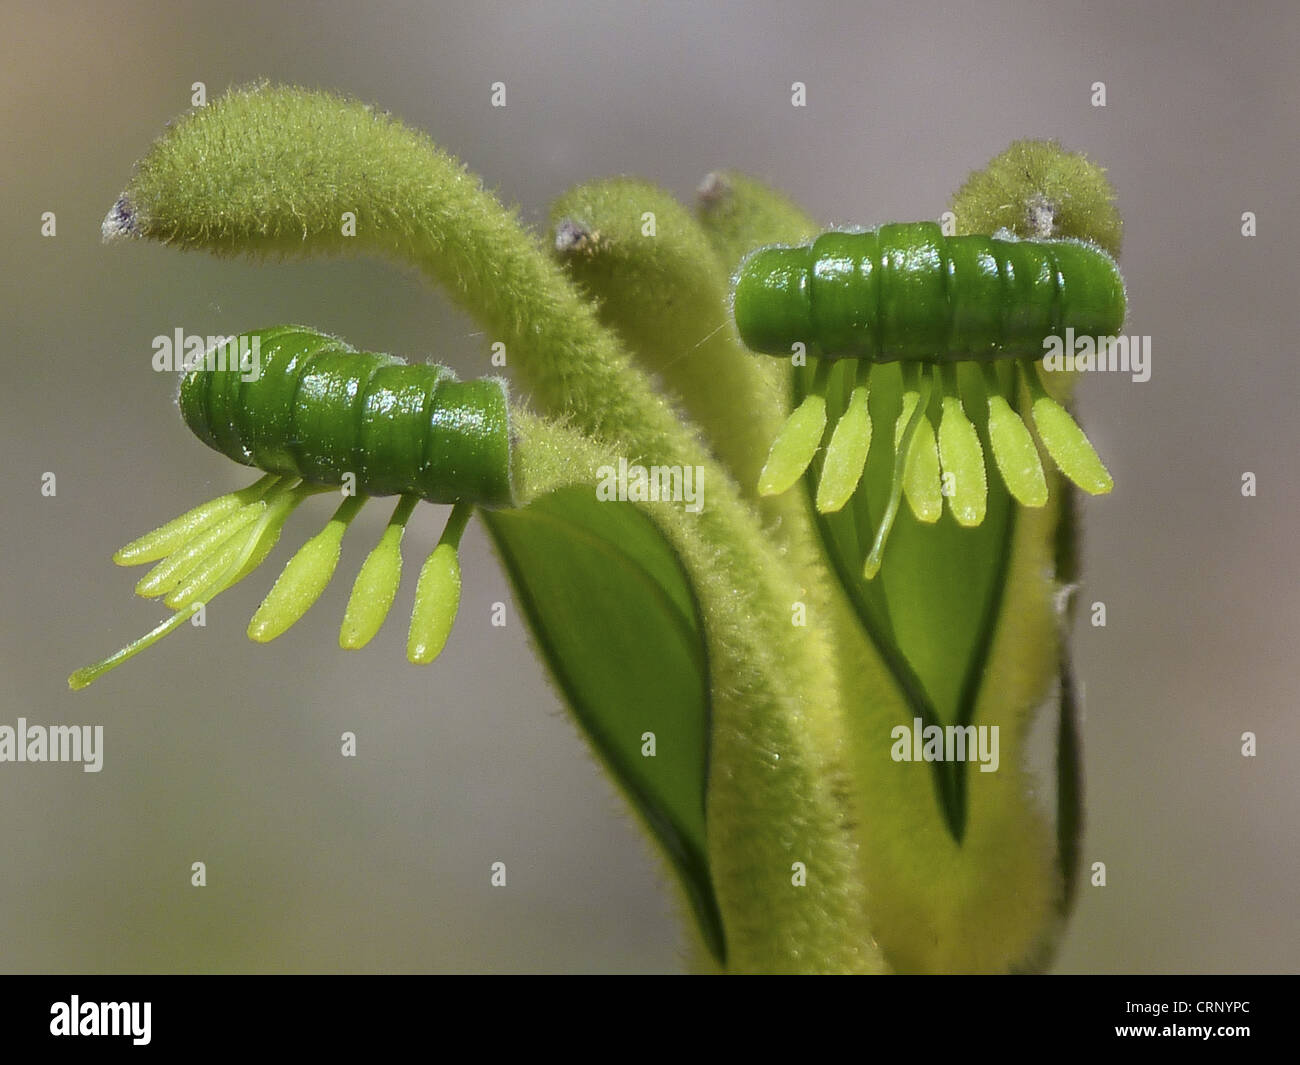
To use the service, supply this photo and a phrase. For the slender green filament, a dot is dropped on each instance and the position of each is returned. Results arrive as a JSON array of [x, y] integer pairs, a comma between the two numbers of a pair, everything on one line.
[[1070, 449]]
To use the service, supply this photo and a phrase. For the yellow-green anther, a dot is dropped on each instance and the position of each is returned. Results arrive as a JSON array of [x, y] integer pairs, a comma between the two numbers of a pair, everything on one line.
[[167, 538], [437, 595], [376, 585], [437, 598], [1070, 449], [1013, 448], [846, 454], [304, 576], [171, 571], [1016, 455], [921, 483], [794, 447], [961, 458]]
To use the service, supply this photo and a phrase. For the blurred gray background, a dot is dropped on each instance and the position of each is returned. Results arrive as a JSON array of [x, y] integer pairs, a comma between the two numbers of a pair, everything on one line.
[[228, 752]]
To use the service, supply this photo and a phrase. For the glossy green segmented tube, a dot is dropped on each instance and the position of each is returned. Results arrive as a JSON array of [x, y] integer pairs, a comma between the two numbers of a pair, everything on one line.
[[308, 405], [907, 292]]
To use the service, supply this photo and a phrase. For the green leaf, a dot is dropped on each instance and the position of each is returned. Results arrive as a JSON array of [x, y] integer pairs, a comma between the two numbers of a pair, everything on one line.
[[618, 625], [932, 609]]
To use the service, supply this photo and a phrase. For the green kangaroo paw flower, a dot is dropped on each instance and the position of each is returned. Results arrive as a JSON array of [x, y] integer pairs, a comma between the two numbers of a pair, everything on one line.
[[167, 538], [961, 458], [1013, 448], [846, 454], [376, 584], [288, 162], [291, 162], [304, 576], [1070, 449], [437, 596]]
